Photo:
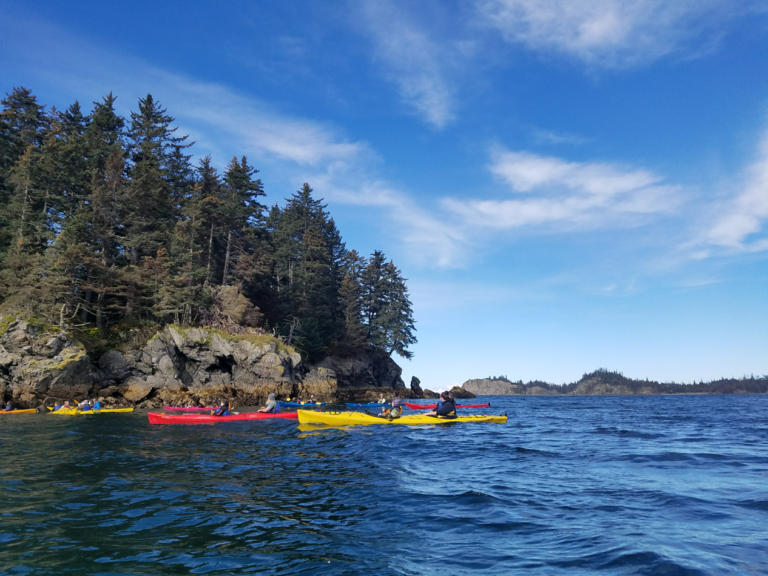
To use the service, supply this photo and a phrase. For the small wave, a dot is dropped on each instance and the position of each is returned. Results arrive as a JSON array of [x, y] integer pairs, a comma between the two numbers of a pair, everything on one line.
[[628, 433], [754, 504]]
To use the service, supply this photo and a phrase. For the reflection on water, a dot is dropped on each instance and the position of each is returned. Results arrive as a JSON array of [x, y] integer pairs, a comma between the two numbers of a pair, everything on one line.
[[672, 485]]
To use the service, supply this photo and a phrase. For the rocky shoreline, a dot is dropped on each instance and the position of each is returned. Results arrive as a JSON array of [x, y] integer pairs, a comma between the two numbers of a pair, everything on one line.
[[178, 366]]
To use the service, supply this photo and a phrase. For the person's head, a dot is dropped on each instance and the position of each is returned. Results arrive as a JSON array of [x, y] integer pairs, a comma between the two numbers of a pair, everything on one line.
[[66, 403], [396, 402], [223, 403], [445, 395], [271, 397], [381, 395]]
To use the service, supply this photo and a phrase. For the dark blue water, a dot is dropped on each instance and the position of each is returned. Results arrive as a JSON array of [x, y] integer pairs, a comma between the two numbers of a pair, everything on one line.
[[574, 485]]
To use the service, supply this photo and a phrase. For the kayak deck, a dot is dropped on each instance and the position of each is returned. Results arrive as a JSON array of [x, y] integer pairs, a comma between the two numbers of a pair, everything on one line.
[[414, 406], [78, 412], [163, 418], [369, 405], [284, 404], [358, 418], [190, 409]]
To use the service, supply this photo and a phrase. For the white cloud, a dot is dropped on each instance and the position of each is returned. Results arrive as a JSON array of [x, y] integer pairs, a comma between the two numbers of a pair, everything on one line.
[[414, 62], [609, 33], [743, 218], [571, 194]]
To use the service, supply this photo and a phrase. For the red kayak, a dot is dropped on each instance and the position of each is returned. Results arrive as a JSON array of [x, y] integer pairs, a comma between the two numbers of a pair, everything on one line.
[[163, 418], [413, 406], [200, 409]]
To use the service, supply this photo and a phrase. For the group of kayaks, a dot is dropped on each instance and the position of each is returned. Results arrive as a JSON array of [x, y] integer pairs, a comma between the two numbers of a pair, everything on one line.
[[306, 414], [74, 411], [309, 413]]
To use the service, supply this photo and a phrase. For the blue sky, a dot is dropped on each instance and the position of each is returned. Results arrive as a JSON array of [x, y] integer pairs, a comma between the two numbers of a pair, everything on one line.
[[567, 184]]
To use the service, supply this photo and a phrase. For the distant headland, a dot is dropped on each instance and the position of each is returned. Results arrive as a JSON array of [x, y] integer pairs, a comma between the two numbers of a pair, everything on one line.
[[604, 382]]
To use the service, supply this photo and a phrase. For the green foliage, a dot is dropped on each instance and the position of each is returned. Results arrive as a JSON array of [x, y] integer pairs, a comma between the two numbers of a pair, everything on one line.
[[108, 229]]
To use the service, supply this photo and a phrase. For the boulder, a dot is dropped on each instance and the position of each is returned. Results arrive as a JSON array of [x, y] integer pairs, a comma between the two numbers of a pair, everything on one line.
[[115, 366], [430, 394], [459, 392], [135, 389], [416, 387]]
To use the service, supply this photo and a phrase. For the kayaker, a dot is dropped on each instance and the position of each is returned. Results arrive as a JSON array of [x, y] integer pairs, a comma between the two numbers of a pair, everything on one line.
[[395, 412], [312, 399], [446, 409], [271, 406], [66, 405], [56, 406], [85, 406], [96, 404], [222, 410], [381, 399], [9, 406]]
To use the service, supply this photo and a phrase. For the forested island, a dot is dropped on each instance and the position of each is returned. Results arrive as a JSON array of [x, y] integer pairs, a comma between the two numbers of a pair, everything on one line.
[[111, 237], [603, 382]]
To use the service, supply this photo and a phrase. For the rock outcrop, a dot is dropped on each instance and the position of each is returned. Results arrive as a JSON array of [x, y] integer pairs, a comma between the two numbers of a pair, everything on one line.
[[459, 392], [182, 365], [488, 387], [416, 387], [35, 364]]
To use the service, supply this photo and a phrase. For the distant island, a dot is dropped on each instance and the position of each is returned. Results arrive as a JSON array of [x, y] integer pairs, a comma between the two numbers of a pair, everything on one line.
[[603, 382]]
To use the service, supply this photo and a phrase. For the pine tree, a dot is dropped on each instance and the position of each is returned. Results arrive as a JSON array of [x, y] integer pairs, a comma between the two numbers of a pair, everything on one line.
[[243, 213], [150, 208]]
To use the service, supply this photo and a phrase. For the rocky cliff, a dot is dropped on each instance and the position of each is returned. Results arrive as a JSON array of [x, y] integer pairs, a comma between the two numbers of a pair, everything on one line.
[[182, 365]]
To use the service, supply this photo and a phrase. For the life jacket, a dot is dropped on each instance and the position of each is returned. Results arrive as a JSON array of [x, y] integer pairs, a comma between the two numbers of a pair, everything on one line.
[[277, 408], [396, 412], [452, 413], [97, 406], [85, 408]]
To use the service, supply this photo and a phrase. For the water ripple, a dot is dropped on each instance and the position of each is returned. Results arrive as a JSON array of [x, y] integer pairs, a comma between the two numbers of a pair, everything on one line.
[[632, 485]]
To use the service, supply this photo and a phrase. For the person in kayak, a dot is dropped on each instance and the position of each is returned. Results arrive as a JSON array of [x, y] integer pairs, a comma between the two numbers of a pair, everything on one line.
[[96, 404], [312, 399], [381, 399], [395, 412], [222, 410], [271, 406], [56, 406], [85, 406], [9, 406], [445, 409]]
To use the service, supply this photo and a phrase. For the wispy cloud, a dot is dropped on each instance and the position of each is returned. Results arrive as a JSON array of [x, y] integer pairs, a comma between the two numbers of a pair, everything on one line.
[[413, 60], [542, 136], [569, 194], [740, 224], [608, 33]]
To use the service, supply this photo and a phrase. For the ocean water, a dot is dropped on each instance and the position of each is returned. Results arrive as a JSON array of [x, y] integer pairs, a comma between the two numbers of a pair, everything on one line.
[[574, 485]]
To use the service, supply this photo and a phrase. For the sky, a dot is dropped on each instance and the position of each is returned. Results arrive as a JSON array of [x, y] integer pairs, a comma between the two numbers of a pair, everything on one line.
[[566, 184]]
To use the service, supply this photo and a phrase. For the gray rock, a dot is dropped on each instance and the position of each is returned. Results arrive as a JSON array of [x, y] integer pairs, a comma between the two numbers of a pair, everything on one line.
[[115, 366]]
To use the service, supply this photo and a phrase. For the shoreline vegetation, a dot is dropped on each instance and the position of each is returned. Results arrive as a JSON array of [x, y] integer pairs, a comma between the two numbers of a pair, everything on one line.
[[603, 382], [110, 234]]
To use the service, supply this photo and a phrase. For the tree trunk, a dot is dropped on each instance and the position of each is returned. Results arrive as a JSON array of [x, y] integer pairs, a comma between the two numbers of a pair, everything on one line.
[[226, 259], [100, 309], [210, 250], [86, 305], [129, 309]]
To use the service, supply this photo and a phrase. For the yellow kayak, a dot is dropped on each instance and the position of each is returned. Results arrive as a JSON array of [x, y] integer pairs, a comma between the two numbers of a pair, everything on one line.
[[25, 411], [78, 412], [357, 418]]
